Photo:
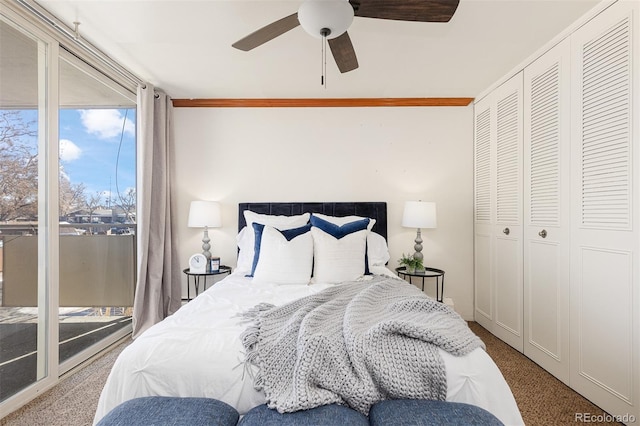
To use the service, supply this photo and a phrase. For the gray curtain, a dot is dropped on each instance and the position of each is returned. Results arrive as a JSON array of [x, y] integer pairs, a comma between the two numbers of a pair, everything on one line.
[[158, 288]]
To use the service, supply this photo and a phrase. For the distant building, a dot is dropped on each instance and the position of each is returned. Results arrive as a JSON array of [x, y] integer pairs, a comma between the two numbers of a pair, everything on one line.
[[114, 221], [115, 215]]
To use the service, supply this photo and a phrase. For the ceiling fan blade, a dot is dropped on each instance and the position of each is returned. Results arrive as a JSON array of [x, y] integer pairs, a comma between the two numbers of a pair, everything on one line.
[[343, 53], [406, 10], [267, 33]]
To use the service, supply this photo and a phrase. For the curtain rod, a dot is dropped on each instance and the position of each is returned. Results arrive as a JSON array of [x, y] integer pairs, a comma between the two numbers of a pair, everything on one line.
[[77, 40]]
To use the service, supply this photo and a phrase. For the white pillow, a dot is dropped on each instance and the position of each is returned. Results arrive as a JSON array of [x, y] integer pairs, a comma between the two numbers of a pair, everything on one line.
[[246, 237], [245, 245], [283, 261], [377, 250], [339, 250]]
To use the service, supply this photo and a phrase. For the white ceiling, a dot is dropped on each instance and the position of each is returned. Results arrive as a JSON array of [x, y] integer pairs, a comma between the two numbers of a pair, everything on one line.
[[184, 47]]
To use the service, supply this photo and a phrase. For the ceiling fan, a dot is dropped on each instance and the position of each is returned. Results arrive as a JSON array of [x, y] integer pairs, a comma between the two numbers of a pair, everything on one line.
[[330, 19]]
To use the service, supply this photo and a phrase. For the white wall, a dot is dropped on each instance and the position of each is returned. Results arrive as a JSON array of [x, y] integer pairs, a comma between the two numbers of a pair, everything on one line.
[[397, 154]]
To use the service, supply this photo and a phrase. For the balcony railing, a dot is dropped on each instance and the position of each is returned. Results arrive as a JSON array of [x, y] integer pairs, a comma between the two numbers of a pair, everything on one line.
[[97, 265]]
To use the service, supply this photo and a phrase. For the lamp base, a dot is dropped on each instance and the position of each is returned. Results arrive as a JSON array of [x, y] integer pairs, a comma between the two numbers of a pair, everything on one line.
[[418, 248], [205, 244]]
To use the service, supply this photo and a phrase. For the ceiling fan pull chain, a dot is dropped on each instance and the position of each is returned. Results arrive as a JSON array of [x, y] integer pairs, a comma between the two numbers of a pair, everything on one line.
[[321, 62], [324, 61], [324, 33]]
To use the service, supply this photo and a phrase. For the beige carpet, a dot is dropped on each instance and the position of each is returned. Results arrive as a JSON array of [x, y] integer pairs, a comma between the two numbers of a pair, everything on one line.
[[542, 399], [73, 401]]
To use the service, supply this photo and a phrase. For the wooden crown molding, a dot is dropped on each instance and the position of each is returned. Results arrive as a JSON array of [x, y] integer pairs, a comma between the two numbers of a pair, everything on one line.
[[320, 102]]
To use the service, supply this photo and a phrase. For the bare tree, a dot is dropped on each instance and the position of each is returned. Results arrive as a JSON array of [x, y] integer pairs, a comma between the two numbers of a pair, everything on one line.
[[72, 196], [93, 203], [18, 167], [19, 171], [128, 203]]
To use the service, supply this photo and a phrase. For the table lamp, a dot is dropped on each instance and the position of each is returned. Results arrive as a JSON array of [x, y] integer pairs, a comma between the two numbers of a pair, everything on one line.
[[205, 214], [419, 214]]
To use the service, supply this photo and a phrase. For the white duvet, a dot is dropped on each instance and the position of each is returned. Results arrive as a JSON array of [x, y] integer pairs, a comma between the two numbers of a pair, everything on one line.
[[197, 352]]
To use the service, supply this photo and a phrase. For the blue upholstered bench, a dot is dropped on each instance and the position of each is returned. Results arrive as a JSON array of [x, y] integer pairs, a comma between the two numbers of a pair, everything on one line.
[[422, 412], [169, 411]]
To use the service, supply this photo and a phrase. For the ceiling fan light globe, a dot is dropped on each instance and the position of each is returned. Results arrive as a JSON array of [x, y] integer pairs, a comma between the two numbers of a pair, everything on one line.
[[316, 15]]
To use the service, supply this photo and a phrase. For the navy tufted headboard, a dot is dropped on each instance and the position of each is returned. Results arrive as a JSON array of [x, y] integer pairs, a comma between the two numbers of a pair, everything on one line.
[[375, 210]]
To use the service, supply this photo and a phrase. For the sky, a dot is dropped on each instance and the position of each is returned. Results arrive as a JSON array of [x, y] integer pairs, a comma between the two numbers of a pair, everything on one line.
[[90, 140]]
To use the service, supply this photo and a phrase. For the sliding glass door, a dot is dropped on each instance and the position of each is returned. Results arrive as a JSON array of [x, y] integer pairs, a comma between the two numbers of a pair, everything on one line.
[[67, 209], [97, 209], [24, 326]]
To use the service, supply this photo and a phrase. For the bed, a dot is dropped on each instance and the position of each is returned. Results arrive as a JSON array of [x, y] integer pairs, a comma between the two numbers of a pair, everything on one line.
[[199, 351]]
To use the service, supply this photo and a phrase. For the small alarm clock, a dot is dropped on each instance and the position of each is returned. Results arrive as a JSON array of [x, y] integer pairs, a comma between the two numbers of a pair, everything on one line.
[[198, 264]]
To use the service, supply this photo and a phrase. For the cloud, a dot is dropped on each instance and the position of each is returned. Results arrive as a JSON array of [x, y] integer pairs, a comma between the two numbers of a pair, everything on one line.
[[106, 123], [69, 151]]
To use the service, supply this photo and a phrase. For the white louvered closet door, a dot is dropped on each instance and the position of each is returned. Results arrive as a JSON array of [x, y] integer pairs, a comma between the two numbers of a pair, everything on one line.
[[483, 202], [605, 294], [498, 212], [507, 254], [546, 232]]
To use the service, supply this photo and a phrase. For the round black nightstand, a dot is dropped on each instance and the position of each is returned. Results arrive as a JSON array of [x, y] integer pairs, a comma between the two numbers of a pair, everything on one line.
[[438, 274], [196, 278]]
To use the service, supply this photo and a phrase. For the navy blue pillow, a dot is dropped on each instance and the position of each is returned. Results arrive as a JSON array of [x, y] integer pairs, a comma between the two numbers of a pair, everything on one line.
[[289, 234], [344, 230], [339, 231]]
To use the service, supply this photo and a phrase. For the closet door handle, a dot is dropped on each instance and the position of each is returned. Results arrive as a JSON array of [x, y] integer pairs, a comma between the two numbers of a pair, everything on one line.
[[543, 233], [506, 231]]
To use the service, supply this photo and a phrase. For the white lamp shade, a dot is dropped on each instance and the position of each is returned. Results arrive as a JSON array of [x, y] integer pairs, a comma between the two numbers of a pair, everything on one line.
[[315, 15], [204, 213], [419, 214]]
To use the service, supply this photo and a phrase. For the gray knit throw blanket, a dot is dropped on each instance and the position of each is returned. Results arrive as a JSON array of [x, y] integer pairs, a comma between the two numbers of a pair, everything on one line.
[[354, 344]]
